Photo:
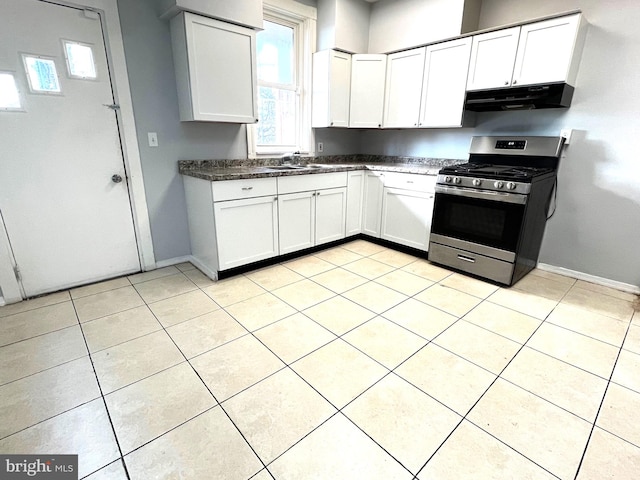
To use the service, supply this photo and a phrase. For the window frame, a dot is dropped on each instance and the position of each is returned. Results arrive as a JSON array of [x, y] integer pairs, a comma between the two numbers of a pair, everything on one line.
[[49, 58], [303, 21], [66, 41], [21, 98]]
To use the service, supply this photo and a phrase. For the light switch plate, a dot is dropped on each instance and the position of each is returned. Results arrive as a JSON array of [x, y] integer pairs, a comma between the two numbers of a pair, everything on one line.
[[566, 134], [153, 139], [320, 147]]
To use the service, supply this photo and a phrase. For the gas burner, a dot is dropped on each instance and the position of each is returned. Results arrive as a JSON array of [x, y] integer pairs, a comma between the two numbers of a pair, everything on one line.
[[496, 172]]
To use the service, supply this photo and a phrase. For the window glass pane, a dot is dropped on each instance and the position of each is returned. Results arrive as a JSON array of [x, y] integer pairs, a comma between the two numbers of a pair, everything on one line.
[[80, 60], [275, 54], [42, 74], [277, 112], [9, 96]]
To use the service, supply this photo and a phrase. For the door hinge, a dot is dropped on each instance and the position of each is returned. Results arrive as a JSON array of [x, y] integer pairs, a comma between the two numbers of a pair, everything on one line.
[[16, 271]]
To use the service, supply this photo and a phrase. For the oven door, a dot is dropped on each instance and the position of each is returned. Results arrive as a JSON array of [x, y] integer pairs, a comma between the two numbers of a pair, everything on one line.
[[484, 218]]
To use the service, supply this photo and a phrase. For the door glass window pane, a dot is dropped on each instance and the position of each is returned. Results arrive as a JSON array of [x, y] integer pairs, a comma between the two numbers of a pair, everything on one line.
[[80, 60], [277, 113], [42, 74], [275, 47], [9, 96]]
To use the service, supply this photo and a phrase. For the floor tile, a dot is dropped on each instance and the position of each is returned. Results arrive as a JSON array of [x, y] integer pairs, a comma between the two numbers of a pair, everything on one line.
[[404, 282], [199, 278], [274, 277], [608, 456], [153, 274], [134, 360], [337, 450], [393, 258], [523, 302], [209, 446], [448, 299], [120, 327], [303, 294], [339, 314], [548, 435], [428, 270], [185, 266], [627, 371], [99, 287], [564, 385], [23, 403], [584, 352], [470, 453], [84, 431], [589, 323], [397, 416], [165, 287], [107, 303], [294, 337], [39, 321], [599, 303], [632, 340], [636, 318], [309, 265], [113, 471], [619, 413], [364, 248], [368, 268], [39, 353], [482, 347], [339, 372], [553, 276], [183, 307], [375, 297], [259, 311], [542, 287], [338, 256], [277, 412], [503, 321], [385, 342], [448, 378], [34, 303], [339, 280], [230, 368], [469, 285], [203, 333], [232, 290], [147, 409], [612, 292], [262, 475], [420, 318]]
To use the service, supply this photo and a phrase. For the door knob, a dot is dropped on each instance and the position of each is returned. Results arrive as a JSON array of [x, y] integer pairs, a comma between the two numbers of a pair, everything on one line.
[[116, 178]]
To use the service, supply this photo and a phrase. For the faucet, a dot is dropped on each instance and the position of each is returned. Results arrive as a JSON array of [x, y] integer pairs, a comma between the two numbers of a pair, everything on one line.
[[288, 157]]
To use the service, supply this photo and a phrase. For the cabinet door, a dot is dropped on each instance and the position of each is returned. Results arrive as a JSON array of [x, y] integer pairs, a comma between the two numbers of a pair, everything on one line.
[[368, 75], [403, 87], [331, 209], [331, 89], [355, 196], [373, 183], [445, 79], [217, 82], [492, 59], [296, 221], [406, 217], [545, 51], [246, 230]]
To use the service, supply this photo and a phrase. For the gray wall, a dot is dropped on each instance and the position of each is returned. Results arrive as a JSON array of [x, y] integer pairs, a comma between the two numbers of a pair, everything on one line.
[[596, 228]]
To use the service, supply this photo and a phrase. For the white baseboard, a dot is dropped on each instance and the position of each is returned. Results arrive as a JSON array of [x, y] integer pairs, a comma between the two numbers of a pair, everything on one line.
[[625, 287]]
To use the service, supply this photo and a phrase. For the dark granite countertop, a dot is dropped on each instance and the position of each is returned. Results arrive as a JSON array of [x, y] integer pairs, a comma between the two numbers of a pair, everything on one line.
[[216, 170]]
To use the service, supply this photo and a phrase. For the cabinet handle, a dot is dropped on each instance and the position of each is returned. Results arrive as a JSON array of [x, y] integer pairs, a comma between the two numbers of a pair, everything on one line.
[[506, 83], [379, 125], [515, 81], [247, 188], [331, 124], [275, 199], [467, 259]]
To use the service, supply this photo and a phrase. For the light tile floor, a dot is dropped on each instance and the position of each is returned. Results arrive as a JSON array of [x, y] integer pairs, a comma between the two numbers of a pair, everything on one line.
[[357, 362]]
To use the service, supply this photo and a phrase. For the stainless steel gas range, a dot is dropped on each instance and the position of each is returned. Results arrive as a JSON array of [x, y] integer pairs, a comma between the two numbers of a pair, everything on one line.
[[489, 214]]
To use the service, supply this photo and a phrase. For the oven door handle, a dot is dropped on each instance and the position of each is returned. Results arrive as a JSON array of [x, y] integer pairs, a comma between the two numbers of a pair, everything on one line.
[[483, 194]]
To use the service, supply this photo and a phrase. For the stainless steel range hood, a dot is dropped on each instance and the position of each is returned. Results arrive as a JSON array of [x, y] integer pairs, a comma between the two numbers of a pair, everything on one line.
[[554, 95]]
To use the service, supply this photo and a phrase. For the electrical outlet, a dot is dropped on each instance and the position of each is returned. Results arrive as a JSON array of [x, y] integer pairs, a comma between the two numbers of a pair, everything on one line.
[[566, 134], [153, 139], [320, 147]]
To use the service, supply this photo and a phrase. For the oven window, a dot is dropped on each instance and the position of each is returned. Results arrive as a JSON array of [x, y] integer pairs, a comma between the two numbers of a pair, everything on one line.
[[490, 223]]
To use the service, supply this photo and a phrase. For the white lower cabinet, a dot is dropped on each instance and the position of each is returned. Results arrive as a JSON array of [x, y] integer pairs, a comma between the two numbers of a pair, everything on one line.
[[372, 203], [355, 198], [406, 217], [331, 212]]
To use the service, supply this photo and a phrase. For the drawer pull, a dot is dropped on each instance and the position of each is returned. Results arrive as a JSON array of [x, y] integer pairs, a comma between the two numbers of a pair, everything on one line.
[[247, 188], [467, 259]]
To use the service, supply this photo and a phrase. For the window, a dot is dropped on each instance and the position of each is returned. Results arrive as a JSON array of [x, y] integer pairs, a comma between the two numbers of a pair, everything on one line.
[[9, 94], [284, 79], [41, 73], [80, 62]]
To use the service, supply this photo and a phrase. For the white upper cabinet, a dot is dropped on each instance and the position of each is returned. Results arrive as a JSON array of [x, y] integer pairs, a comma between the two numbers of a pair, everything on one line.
[[215, 65], [492, 58], [443, 91], [368, 74], [331, 89], [403, 88]]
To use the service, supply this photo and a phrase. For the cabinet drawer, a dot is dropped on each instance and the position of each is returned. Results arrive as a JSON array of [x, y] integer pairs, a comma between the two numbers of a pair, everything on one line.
[[304, 183], [409, 181], [236, 189]]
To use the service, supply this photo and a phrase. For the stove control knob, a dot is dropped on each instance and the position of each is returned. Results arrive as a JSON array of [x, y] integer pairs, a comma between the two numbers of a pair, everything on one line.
[[447, 179], [457, 180], [476, 182], [498, 184], [511, 186]]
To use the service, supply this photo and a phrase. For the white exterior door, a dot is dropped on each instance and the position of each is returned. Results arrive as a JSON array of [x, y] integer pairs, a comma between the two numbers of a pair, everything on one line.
[[68, 222]]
